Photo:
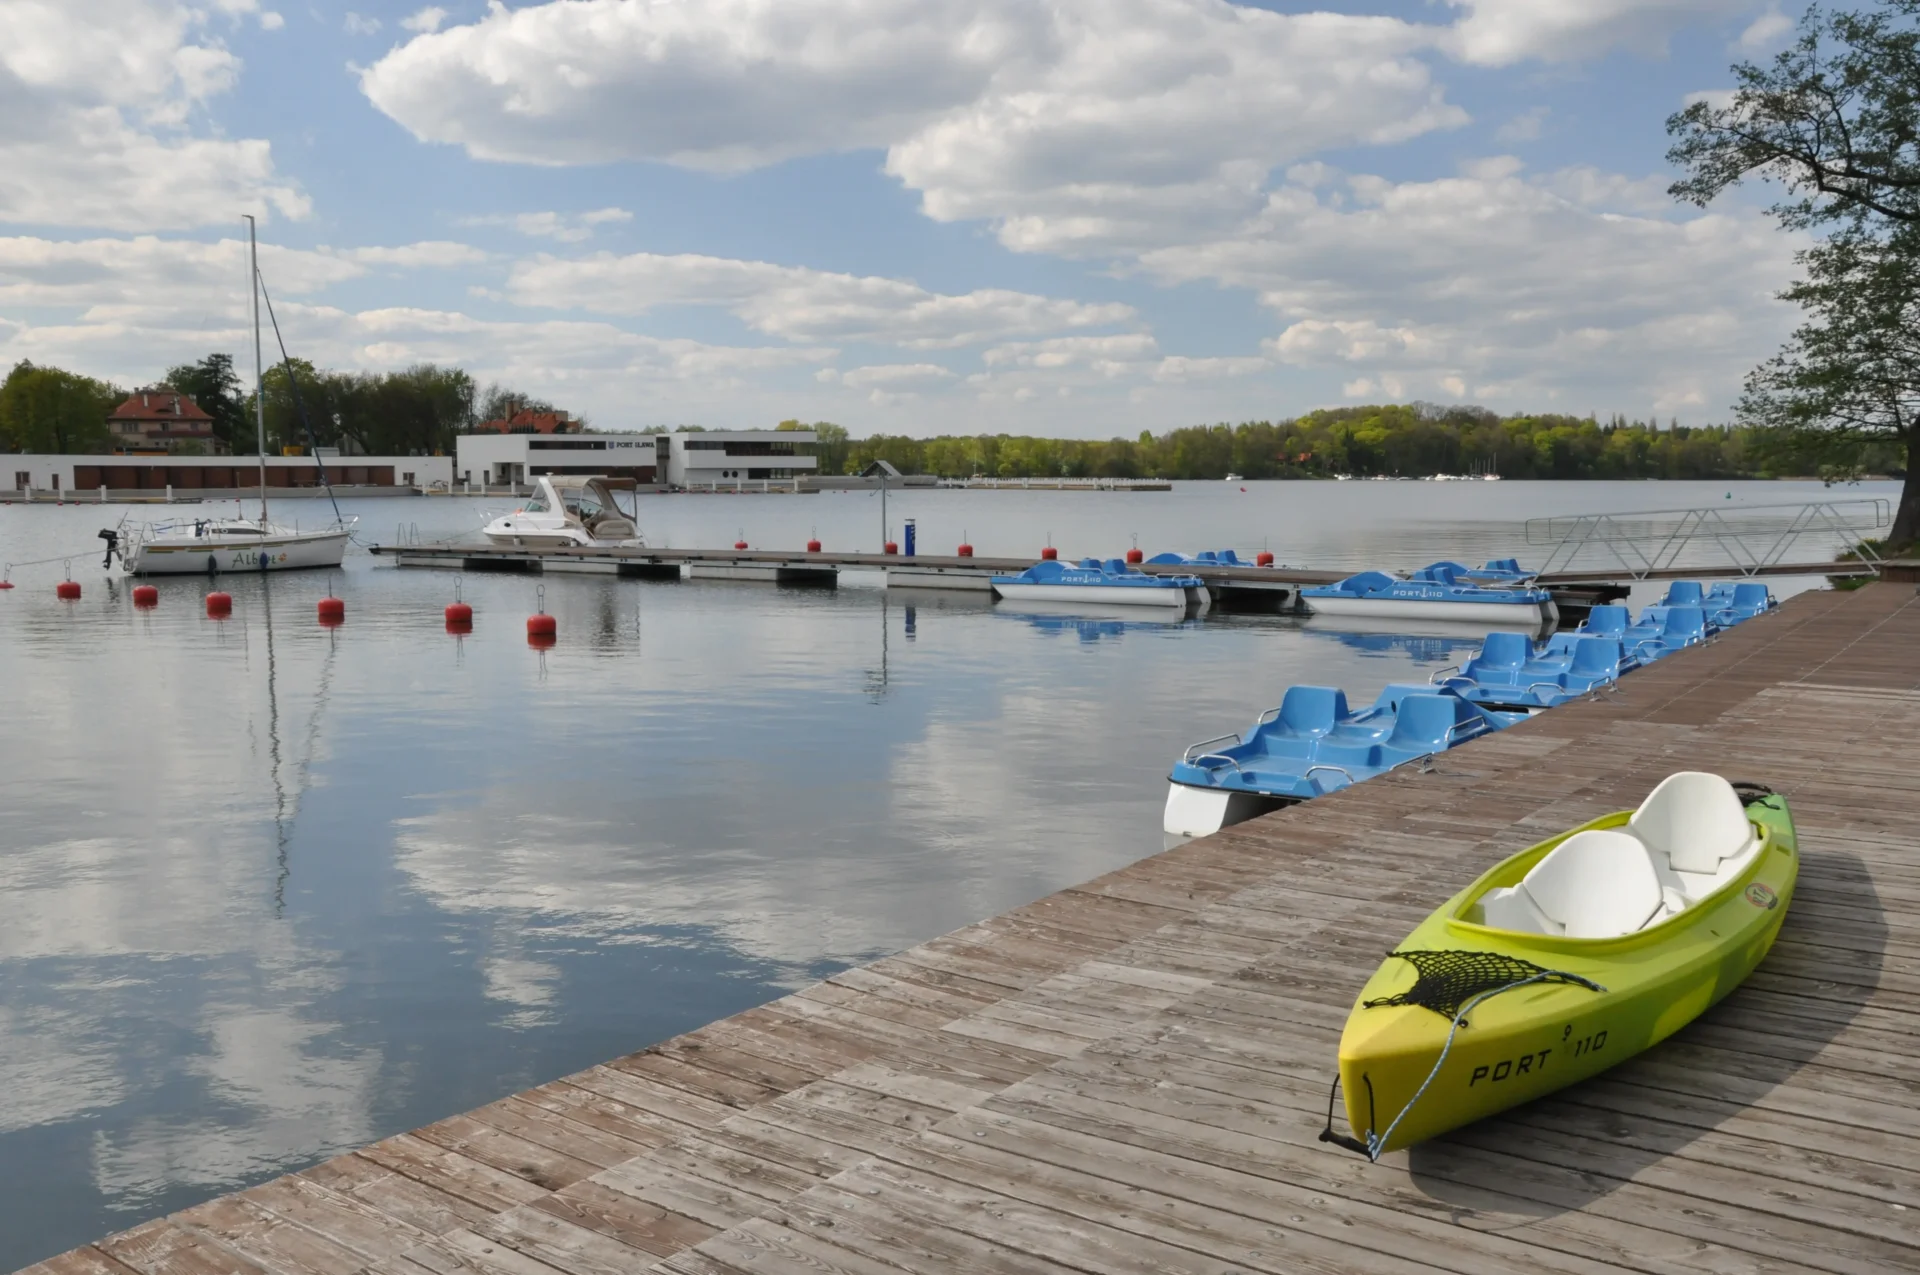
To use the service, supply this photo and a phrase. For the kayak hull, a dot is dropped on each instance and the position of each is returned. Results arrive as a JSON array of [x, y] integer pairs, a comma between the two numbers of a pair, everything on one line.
[[1521, 1044]]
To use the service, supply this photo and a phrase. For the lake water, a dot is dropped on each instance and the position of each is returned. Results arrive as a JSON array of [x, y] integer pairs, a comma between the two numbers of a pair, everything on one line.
[[270, 891]]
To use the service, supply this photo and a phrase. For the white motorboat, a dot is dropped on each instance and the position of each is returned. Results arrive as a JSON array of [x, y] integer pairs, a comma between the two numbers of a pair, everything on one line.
[[568, 510], [195, 546]]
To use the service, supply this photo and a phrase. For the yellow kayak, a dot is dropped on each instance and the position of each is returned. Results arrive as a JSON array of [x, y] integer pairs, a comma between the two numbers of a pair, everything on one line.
[[1567, 958]]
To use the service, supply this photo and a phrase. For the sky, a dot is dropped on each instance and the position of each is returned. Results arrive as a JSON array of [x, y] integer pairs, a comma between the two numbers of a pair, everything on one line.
[[1079, 218]]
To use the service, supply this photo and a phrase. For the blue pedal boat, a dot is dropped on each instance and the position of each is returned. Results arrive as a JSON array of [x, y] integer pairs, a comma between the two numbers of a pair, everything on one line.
[[1441, 595], [1511, 673], [1728, 603], [1108, 583], [1660, 631], [1205, 558], [1310, 745]]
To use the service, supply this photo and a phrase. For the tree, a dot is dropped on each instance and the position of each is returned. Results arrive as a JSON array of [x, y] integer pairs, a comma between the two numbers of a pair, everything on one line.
[[1832, 120], [47, 409], [1847, 383], [1836, 121], [212, 384]]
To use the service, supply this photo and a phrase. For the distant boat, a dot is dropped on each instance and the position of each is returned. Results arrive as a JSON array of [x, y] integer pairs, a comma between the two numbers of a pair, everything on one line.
[[1443, 596], [1235, 478], [567, 510], [211, 545], [1109, 583]]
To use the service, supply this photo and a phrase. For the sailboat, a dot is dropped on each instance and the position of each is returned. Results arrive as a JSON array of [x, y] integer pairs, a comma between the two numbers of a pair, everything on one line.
[[210, 545]]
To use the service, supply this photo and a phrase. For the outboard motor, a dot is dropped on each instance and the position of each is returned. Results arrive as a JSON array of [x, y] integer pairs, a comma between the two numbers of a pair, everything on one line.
[[112, 538]]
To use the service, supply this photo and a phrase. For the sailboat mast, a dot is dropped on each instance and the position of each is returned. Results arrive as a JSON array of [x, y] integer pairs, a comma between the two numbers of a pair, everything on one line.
[[259, 376]]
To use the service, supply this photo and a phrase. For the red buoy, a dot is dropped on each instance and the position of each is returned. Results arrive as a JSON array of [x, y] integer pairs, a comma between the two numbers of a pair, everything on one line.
[[67, 590], [6, 584], [145, 595], [332, 611], [540, 624], [1049, 553], [219, 604], [966, 551], [459, 613], [813, 546], [1263, 559], [890, 547], [542, 641], [1134, 555], [739, 544]]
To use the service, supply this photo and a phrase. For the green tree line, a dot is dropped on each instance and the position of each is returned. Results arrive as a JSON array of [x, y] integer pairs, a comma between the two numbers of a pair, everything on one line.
[[1410, 441], [417, 411]]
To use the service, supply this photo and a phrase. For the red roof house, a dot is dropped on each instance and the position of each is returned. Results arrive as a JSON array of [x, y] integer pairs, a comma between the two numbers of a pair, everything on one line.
[[161, 418]]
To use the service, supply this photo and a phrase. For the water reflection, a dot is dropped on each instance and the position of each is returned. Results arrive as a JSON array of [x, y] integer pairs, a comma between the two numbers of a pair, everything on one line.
[[269, 890]]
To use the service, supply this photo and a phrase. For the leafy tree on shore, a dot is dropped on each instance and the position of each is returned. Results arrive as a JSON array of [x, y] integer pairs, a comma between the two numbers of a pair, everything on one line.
[[1835, 121], [213, 384], [47, 409]]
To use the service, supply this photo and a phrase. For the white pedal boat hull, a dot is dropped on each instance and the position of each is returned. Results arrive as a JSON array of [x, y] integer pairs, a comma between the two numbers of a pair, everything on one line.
[[1101, 595], [1499, 614], [1199, 812]]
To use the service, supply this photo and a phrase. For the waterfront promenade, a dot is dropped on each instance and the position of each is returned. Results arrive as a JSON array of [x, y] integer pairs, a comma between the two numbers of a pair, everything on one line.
[[1129, 1075]]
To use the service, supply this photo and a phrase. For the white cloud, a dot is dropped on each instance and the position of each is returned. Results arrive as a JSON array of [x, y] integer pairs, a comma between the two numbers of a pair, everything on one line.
[[565, 227], [797, 303], [895, 374], [1506, 285], [96, 132], [358, 25], [1524, 127], [1179, 369], [1072, 123], [426, 21], [197, 279], [271, 21], [1764, 32], [1502, 32], [434, 253]]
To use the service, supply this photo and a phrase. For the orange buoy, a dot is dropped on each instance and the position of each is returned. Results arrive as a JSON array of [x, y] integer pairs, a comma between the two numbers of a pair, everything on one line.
[[540, 624], [332, 611], [739, 544], [966, 551], [1263, 559], [890, 547], [813, 546], [459, 613], [1049, 553], [219, 605], [67, 590], [145, 595], [1134, 555]]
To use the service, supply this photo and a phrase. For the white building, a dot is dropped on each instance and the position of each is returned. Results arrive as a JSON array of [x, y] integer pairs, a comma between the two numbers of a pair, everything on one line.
[[723, 460]]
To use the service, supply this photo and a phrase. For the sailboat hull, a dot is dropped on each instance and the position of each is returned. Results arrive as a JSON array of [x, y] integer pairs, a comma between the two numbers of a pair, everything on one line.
[[201, 556]]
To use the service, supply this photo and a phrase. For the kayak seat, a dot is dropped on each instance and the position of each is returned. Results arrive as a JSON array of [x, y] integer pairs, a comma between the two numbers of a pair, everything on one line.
[[1512, 908], [1697, 830], [1596, 884]]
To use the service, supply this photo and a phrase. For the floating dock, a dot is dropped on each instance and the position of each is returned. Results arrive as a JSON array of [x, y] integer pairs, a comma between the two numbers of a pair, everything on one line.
[[1129, 1076]]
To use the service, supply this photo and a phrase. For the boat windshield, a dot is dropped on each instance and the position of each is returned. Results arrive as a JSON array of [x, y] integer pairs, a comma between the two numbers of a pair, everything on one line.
[[536, 504], [584, 504]]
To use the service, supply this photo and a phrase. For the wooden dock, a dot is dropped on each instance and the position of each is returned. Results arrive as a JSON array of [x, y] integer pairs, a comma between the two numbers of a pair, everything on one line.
[[1128, 1076]]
